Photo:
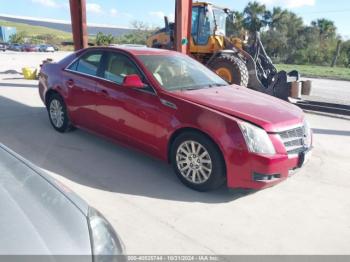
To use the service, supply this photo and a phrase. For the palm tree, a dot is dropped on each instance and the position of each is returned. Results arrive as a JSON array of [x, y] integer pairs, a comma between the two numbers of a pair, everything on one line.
[[275, 19], [254, 16], [326, 28], [235, 27]]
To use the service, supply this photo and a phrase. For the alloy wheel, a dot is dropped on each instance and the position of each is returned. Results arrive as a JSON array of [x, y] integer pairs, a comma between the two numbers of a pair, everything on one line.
[[194, 162], [56, 113]]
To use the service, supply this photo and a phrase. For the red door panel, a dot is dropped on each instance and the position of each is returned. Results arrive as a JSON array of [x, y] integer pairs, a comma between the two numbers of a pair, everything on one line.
[[128, 114], [81, 99]]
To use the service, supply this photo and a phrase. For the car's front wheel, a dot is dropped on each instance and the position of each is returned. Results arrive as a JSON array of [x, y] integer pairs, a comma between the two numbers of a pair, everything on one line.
[[58, 113], [198, 161]]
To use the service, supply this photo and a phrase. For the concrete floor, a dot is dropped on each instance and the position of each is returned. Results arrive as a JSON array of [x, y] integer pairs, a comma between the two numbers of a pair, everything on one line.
[[332, 91], [155, 214]]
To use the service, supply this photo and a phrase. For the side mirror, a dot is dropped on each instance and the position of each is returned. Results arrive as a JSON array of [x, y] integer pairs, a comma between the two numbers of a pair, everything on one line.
[[133, 81]]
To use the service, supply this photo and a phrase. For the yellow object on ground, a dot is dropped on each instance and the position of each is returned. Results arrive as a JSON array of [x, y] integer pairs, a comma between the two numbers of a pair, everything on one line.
[[29, 73]]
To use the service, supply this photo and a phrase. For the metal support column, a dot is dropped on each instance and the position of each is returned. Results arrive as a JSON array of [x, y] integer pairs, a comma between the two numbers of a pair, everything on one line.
[[183, 22], [79, 26]]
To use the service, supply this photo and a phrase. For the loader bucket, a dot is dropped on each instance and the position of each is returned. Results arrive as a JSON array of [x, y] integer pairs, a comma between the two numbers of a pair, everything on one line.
[[281, 87]]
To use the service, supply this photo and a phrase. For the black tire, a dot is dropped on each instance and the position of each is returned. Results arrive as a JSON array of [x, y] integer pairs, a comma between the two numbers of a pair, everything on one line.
[[217, 176], [66, 124], [234, 65]]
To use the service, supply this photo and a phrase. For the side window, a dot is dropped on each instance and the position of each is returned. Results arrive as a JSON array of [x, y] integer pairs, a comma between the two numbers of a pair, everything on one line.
[[118, 66], [204, 27], [73, 66], [195, 17], [200, 26], [88, 63]]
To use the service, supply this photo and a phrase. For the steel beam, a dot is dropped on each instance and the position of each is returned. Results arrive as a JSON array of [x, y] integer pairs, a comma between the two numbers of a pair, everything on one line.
[[79, 26], [183, 22]]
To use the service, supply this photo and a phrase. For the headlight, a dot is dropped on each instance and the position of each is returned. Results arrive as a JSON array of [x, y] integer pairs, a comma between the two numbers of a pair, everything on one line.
[[105, 241], [256, 139]]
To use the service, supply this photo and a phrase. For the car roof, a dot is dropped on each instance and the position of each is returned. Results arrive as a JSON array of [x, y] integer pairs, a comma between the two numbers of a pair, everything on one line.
[[138, 50]]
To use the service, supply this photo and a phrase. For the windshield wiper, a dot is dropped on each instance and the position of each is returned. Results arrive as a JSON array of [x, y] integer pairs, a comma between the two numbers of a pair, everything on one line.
[[189, 88], [217, 84]]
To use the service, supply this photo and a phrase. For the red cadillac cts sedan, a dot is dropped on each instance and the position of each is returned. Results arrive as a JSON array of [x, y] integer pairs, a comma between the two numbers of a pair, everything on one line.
[[174, 108]]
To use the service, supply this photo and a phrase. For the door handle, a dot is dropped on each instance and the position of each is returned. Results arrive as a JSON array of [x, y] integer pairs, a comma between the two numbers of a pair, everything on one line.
[[104, 92], [143, 114], [70, 83]]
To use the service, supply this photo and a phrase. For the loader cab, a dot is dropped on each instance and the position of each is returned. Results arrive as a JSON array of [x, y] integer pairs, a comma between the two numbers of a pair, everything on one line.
[[207, 21]]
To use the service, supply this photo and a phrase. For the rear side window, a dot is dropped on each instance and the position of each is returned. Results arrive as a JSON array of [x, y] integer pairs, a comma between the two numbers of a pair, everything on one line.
[[87, 64]]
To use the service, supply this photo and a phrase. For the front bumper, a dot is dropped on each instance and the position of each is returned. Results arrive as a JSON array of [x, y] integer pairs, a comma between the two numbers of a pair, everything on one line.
[[261, 171]]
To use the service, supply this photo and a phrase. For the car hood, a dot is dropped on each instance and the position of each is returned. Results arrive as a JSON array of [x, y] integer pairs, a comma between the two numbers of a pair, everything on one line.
[[266, 111], [35, 217]]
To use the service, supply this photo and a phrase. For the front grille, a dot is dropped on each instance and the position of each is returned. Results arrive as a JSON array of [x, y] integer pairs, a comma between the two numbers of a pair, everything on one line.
[[294, 140]]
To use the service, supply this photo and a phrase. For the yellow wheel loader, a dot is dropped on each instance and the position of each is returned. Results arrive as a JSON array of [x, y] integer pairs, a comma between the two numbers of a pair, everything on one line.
[[232, 58]]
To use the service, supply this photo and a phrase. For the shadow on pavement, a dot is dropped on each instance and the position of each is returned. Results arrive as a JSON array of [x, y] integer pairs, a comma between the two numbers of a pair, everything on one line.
[[93, 161], [18, 85], [11, 71], [331, 132]]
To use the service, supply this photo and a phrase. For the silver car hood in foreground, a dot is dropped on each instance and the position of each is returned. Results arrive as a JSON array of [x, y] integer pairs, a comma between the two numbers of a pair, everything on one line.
[[37, 217]]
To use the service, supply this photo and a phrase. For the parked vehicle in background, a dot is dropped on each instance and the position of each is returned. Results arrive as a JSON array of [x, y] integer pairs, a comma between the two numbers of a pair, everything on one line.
[[3, 47], [46, 48], [37, 47], [16, 47], [30, 48], [175, 108], [40, 216]]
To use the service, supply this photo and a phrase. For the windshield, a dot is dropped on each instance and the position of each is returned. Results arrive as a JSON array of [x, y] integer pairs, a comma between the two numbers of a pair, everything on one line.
[[220, 19], [179, 72]]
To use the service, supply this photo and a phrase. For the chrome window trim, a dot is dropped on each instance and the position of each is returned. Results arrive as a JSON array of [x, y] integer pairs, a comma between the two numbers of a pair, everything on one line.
[[101, 78], [110, 81], [74, 60], [78, 57]]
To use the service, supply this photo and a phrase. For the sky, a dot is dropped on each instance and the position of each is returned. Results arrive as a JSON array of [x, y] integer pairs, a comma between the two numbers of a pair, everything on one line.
[[122, 13]]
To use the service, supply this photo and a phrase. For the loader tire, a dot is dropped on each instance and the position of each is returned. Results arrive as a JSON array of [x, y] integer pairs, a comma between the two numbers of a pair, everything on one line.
[[230, 68]]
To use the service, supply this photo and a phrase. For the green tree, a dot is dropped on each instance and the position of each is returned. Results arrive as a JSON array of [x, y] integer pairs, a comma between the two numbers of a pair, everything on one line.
[[103, 39], [288, 40], [235, 27], [141, 31], [283, 37], [18, 37], [326, 28], [49, 39], [344, 57], [254, 16], [327, 37], [276, 19]]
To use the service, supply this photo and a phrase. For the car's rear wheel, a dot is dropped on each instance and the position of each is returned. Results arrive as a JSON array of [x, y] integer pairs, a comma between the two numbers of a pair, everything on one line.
[[198, 162], [58, 113]]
